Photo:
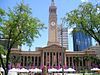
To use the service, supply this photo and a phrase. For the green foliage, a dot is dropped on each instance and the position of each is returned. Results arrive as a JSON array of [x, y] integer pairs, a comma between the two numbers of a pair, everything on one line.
[[15, 59], [87, 57], [19, 28], [2, 51], [93, 59], [87, 19], [76, 58], [2, 13]]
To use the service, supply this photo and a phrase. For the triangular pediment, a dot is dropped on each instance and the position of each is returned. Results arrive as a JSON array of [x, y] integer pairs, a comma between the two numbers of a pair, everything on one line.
[[54, 46]]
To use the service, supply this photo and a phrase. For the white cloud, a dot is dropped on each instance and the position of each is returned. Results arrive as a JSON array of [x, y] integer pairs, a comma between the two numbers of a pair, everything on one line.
[[84, 0], [98, 10], [3, 56], [98, 1], [70, 30]]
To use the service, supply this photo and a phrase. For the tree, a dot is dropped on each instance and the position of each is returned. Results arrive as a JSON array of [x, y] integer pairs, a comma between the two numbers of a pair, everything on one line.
[[87, 59], [2, 54], [2, 13], [87, 20], [15, 59], [77, 62], [95, 60], [19, 27]]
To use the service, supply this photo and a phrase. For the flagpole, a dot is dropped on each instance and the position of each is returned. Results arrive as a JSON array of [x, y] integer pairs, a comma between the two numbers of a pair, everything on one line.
[[62, 48]]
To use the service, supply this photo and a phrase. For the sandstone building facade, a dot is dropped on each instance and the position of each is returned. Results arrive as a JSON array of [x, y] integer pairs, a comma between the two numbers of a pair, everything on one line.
[[51, 55]]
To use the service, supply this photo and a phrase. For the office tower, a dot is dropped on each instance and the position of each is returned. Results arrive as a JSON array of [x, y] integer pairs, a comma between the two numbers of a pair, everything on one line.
[[81, 41], [65, 37]]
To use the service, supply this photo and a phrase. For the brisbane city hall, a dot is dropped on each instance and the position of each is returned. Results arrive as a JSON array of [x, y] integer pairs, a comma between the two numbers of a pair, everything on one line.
[[51, 55]]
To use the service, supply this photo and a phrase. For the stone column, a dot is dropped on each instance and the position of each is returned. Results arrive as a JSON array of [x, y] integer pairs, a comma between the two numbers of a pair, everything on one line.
[[82, 61], [27, 60], [34, 60], [46, 59], [42, 59], [56, 59], [23, 60], [65, 59], [49, 58], [72, 62], [79, 62], [68, 61], [89, 64], [37, 61], [52, 59]]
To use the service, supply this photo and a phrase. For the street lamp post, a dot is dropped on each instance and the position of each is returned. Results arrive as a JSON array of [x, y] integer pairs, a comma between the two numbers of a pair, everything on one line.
[[62, 48]]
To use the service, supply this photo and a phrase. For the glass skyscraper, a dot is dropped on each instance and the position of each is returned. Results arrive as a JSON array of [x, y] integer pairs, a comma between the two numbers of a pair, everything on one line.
[[81, 41]]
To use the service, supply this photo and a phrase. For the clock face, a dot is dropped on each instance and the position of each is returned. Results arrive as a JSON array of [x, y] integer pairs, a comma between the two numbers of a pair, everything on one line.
[[53, 23]]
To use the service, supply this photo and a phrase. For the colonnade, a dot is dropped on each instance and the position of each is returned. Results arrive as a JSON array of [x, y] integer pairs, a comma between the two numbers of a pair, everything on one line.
[[30, 60], [53, 59]]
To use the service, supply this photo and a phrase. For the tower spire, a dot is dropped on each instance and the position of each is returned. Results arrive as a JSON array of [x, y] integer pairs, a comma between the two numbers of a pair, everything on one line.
[[53, 29], [52, 3], [52, 0]]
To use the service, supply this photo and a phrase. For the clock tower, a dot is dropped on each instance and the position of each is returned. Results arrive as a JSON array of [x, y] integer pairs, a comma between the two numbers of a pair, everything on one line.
[[52, 35]]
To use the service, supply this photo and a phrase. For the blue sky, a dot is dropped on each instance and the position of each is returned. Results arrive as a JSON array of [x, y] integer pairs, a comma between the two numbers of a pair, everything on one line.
[[40, 10]]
